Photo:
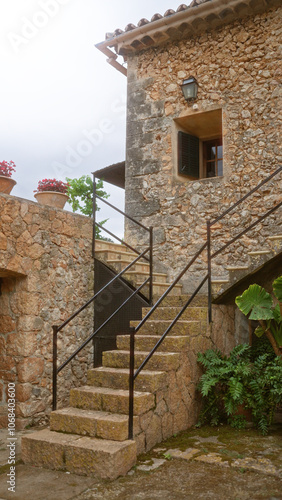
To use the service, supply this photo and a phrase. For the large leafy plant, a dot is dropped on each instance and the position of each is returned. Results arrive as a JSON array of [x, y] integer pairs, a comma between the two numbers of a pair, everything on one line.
[[257, 304]]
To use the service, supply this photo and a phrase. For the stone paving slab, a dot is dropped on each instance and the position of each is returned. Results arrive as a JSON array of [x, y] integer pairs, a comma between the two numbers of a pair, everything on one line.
[[208, 463]]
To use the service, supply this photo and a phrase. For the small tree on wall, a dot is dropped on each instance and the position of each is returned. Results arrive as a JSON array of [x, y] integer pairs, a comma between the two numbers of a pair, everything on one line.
[[80, 193]]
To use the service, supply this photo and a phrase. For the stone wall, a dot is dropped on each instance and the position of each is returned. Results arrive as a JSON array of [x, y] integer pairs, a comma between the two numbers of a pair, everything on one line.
[[238, 68], [46, 274]]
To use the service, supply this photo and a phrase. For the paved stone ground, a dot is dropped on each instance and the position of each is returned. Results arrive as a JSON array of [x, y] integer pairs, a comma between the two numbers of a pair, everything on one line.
[[207, 463]]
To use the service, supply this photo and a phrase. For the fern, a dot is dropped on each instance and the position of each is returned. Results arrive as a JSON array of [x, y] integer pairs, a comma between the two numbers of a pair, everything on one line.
[[246, 377]]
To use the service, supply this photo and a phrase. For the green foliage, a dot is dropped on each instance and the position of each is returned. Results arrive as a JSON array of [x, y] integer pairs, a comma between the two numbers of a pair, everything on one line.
[[277, 288], [257, 304], [240, 379], [80, 193], [256, 301]]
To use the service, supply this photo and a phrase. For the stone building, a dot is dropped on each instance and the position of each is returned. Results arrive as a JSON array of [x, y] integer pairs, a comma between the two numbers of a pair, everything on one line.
[[187, 162]]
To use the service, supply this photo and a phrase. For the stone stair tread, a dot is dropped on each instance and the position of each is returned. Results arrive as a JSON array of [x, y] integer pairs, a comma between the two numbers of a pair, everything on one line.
[[100, 424], [220, 280], [108, 390], [158, 327], [110, 400], [171, 343], [164, 361], [145, 273], [107, 459], [237, 268], [167, 312], [106, 376], [121, 261], [275, 237], [150, 373], [142, 353], [127, 254], [259, 252], [80, 412], [159, 283]]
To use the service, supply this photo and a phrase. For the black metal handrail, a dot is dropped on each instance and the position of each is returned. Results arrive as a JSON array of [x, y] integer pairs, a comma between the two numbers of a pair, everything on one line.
[[56, 329], [132, 375], [252, 191], [238, 236], [148, 229]]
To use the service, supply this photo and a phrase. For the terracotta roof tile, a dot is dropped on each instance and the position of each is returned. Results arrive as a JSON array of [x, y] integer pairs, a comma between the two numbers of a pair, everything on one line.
[[156, 17]]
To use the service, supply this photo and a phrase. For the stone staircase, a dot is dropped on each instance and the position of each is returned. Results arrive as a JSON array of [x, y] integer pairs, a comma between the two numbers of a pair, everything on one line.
[[117, 257], [90, 437], [255, 260]]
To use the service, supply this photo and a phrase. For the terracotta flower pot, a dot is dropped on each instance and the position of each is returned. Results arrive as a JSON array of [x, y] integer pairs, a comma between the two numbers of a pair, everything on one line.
[[6, 184], [51, 198]]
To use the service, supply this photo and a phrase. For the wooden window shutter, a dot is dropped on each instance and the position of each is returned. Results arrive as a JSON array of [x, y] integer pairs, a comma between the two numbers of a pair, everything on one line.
[[188, 155]]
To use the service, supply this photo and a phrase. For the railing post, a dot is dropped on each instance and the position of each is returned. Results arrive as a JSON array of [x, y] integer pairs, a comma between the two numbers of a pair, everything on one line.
[[131, 383], [94, 217], [151, 267], [55, 337], [209, 270]]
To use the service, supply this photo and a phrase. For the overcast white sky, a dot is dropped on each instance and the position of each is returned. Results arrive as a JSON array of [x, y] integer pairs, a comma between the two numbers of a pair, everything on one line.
[[57, 89]]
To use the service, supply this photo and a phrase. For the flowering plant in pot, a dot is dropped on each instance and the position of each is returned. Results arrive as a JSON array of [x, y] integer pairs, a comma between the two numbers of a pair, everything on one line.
[[52, 192], [6, 170]]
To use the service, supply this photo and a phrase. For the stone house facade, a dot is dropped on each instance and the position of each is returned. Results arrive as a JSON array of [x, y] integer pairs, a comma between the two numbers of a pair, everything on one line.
[[232, 50], [46, 273]]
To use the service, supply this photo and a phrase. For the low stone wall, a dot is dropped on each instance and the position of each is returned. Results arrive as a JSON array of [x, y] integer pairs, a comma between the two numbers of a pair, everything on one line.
[[46, 273]]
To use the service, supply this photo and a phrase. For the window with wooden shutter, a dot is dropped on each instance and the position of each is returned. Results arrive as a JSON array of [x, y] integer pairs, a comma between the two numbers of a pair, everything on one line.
[[188, 155]]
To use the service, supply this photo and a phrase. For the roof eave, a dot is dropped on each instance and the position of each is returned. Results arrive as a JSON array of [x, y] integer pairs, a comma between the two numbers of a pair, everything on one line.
[[207, 15]]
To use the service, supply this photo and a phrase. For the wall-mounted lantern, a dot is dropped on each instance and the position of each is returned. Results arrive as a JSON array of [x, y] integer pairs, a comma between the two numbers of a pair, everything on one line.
[[190, 88]]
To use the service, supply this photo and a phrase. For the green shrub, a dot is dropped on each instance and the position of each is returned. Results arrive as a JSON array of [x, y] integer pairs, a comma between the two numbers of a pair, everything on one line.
[[240, 379]]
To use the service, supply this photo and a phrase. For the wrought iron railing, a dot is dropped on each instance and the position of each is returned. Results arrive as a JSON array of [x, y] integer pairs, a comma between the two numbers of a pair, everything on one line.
[[207, 245], [149, 230], [238, 236], [148, 281], [207, 278]]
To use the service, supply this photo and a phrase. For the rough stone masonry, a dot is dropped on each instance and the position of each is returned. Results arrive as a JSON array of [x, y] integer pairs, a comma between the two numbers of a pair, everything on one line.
[[46, 272], [238, 68]]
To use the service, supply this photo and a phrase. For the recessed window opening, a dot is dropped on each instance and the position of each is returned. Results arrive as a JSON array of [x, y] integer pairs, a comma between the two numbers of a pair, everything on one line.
[[200, 147]]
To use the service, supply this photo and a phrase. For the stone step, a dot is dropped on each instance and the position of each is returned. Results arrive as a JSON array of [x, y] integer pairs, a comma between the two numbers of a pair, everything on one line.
[[110, 400], [119, 265], [98, 424], [118, 378], [109, 245], [219, 284], [103, 458], [163, 361], [158, 327], [146, 343], [107, 255], [236, 268], [140, 277], [191, 313], [160, 288], [258, 253], [181, 300], [275, 237], [276, 243]]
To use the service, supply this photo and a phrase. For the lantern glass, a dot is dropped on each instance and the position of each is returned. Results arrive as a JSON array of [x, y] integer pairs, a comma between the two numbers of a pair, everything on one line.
[[190, 88]]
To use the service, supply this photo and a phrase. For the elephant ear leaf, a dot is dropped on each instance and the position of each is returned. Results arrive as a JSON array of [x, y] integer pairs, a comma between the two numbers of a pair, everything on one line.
[[277, 288], [257, 301]]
